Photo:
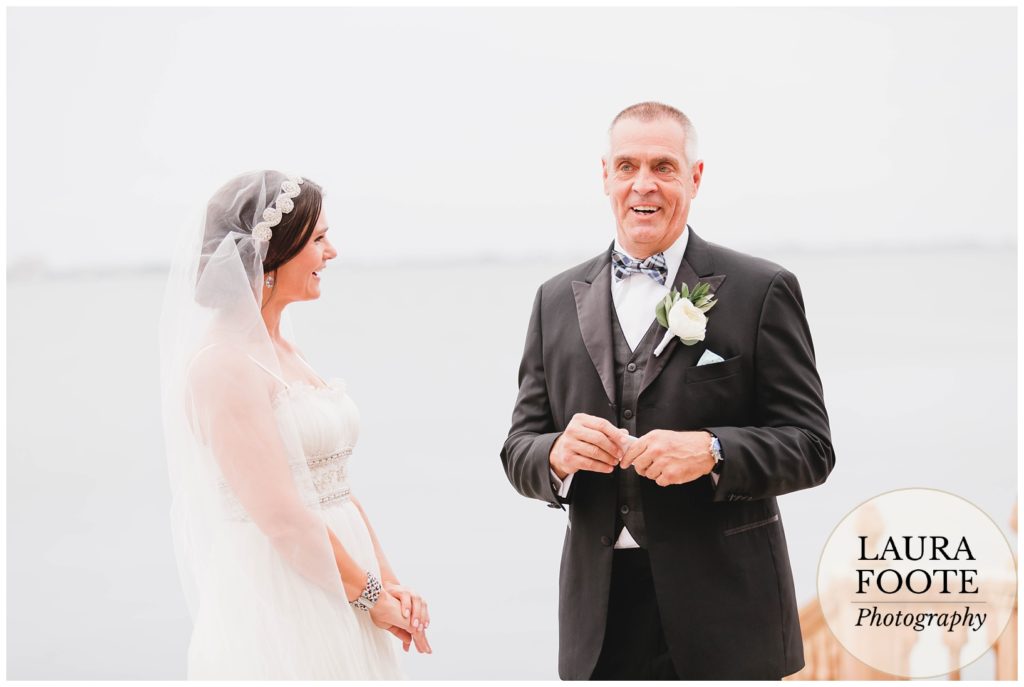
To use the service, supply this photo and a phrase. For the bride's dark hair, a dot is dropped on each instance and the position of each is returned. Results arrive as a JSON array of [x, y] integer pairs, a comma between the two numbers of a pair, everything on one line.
[[295, 228]]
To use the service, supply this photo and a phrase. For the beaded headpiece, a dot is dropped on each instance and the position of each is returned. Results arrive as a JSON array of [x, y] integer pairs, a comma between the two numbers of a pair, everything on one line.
[[281, 206]]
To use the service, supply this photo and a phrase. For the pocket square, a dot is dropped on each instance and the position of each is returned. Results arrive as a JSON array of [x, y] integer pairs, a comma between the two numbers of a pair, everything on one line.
[[709, 357]]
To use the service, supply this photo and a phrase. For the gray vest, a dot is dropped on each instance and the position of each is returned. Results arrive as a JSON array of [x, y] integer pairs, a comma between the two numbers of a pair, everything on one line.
[[629, 373]]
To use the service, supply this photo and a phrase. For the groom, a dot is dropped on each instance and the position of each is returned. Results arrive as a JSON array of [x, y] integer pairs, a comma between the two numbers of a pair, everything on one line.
[[674, 564]]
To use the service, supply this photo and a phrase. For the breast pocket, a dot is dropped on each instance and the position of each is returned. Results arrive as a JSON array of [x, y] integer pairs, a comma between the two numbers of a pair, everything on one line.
[[705, 373]]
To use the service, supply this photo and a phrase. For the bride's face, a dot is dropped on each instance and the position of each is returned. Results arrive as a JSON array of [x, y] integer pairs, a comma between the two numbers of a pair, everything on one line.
[[299, 278]]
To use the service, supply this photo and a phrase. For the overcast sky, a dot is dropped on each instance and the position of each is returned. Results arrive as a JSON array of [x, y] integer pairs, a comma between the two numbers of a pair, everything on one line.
[[478, 132]]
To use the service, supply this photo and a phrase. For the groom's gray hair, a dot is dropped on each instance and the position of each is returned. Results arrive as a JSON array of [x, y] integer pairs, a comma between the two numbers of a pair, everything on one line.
[[650, 111]]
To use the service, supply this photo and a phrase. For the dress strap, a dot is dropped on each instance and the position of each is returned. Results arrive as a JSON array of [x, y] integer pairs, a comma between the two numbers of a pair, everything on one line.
[[268, 371], [198, 353], [264, 367], [311, 369]]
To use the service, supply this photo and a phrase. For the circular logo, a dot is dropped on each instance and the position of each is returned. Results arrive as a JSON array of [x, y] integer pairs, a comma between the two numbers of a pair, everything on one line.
[[917, 583]]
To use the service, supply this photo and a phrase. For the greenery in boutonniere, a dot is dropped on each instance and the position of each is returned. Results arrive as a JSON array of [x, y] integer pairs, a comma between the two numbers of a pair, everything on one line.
[[682, 312]]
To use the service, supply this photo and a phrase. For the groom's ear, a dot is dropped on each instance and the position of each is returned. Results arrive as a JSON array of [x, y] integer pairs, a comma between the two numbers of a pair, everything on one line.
[[696, 174], [604, 174]]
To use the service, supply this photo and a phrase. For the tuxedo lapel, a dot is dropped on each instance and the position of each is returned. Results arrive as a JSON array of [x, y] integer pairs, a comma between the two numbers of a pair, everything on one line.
[[695, 266], [594, 310]]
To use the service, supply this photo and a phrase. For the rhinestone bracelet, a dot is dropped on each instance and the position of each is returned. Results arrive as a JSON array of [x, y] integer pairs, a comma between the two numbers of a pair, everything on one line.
[[371, 592]]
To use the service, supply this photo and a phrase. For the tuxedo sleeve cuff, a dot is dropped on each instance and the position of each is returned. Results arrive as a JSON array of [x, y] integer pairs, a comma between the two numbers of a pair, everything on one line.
[[561, 486], [541, 452], [731, 472]]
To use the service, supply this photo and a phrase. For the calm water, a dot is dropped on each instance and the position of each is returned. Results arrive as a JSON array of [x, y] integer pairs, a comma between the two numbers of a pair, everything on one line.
[[917, 352]]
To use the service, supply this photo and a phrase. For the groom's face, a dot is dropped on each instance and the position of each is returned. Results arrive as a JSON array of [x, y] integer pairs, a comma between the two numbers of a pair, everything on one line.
[[650, 183]]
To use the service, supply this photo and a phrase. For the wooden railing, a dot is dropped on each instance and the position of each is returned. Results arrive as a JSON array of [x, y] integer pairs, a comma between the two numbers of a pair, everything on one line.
[[826, 659]]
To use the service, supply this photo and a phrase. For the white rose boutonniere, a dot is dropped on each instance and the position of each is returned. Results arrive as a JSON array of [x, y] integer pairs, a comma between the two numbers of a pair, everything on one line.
[[682, 313]]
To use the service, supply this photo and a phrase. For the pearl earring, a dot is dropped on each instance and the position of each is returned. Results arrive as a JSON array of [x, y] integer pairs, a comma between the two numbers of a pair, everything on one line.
[[269, 281]]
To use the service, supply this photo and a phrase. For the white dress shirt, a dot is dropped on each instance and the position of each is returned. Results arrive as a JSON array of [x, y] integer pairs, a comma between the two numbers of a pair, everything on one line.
[[635, 299]]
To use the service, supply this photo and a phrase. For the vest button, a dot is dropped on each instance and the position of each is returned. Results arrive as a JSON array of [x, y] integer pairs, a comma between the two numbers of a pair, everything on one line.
[[627, 413], [623, 509], [631, 367], [606, 541]]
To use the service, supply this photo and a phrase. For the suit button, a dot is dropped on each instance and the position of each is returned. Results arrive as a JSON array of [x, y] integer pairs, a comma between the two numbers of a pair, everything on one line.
[[623, 509], [631, 367], [627, 413], [606, 541]]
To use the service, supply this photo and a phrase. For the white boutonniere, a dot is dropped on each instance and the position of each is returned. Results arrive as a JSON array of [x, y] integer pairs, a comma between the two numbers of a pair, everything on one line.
[[682, 313]]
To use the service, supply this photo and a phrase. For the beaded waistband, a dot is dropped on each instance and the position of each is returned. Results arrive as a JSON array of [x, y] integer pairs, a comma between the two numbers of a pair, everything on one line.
[[318, 461], [335, 497], [328, 474]]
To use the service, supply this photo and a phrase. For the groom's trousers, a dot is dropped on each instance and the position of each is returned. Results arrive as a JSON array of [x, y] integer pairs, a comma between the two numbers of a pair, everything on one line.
[[634, 645]]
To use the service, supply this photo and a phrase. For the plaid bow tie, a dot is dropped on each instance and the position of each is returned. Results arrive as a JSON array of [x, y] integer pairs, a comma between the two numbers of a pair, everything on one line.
[[654, 266]]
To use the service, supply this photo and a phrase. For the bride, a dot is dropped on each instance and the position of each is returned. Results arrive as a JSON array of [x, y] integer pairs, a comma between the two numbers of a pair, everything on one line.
[[283, 573]]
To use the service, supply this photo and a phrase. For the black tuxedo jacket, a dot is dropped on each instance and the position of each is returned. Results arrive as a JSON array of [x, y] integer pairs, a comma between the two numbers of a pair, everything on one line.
[[718, 554]]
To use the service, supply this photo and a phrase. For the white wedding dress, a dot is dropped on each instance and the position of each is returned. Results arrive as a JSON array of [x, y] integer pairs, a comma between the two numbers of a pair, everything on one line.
[[322, 637]]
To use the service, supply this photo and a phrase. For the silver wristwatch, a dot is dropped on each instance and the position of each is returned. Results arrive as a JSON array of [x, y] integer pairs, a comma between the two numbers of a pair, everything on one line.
[[716, 453], [371, 592]]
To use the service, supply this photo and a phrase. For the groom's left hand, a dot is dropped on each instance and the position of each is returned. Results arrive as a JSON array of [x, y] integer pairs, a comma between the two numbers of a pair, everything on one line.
[[670, 457]]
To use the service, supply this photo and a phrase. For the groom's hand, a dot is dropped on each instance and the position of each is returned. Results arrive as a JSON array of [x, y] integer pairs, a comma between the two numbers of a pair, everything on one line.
[[588, 443], [671, 457]]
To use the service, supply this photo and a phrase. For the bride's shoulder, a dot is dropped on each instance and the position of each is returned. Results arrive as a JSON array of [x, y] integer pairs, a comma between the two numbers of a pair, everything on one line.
[[223, 366], [215, 357]]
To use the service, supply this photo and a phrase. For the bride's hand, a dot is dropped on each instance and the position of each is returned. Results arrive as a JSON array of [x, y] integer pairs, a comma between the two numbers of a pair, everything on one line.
[[403, 636], [388, 611], [413, 605], [387, 615]]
